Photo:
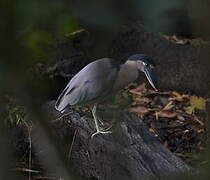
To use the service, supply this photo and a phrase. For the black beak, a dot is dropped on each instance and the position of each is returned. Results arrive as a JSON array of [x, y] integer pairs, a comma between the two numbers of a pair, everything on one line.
[[151, 77]]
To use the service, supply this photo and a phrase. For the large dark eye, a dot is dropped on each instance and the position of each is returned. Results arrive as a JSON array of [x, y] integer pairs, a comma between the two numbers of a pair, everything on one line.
[[145, 64]]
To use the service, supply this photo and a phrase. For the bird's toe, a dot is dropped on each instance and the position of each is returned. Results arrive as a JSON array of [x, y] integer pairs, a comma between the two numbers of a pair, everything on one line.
[[100, 132]]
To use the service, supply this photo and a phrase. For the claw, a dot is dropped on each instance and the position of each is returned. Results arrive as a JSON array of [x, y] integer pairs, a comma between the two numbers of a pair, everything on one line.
[[100, 132]]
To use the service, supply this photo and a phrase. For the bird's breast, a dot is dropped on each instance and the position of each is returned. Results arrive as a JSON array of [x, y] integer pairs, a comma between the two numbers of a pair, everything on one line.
[[126, 75]]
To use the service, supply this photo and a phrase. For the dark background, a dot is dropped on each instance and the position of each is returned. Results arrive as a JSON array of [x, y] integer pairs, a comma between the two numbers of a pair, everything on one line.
[[32, 30]]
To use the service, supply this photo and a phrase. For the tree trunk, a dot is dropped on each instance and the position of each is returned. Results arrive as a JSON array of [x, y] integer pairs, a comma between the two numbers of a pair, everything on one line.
[[131, 152]]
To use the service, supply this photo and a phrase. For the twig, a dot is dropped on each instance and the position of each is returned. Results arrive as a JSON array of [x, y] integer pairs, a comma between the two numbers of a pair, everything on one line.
[[30, 149], [70, 150], [30, 153], [62, 116]]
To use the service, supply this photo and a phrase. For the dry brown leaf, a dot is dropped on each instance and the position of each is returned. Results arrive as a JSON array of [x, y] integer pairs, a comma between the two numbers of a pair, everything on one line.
[[176, 40], [182, 41], [142, 100], [153, 131], [139, 89], [167, 114], [189, 109], [139, 110], [201, 131], [178, 97], [133, 91], [200, 122], [163, 92], [156, 115], [180, 117], [169, 106], [151, 91]]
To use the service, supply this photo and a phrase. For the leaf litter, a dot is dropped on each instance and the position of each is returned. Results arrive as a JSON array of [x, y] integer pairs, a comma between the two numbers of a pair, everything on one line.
[[178, 120]]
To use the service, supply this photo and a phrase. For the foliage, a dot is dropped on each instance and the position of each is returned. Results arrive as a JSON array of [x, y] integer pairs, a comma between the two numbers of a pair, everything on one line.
[[16, 114]]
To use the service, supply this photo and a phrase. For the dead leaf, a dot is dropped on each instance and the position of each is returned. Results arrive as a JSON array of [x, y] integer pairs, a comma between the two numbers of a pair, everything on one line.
[[156, 115], [142, 100], [200, 122], [169, 106], [153, 131], [167, 114], [151, 91], [133, 91], [171, 114], [178, 97], [180, 117], [201, 131], [198, 102], [195, 103], [176, 40], [189, 109], [139, 110], [139, 89]]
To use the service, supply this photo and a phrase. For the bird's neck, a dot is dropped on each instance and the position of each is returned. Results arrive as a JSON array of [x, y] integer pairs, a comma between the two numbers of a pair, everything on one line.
[[127, 74]]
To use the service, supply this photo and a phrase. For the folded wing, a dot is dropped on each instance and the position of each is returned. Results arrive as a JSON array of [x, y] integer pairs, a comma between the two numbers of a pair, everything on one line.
[[92, 82]]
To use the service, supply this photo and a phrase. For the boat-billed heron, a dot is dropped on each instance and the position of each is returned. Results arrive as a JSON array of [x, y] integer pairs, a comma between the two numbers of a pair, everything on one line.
[[102, 78]]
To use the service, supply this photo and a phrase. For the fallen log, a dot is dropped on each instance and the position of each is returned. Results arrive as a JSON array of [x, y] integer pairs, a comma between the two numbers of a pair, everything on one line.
[[130, 152]]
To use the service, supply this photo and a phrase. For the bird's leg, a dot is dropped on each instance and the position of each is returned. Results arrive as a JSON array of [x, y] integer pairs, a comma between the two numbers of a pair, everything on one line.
[[98, 131]]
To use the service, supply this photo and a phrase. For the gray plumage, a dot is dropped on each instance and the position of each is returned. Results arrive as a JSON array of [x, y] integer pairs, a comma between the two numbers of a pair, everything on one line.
[[92, 82], [102, 78]]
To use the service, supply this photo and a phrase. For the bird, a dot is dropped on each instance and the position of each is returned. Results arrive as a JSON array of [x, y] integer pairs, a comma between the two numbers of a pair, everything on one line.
[[100, 79]]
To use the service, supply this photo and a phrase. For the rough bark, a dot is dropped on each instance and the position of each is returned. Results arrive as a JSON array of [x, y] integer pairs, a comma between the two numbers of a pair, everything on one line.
[[131, 152]]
